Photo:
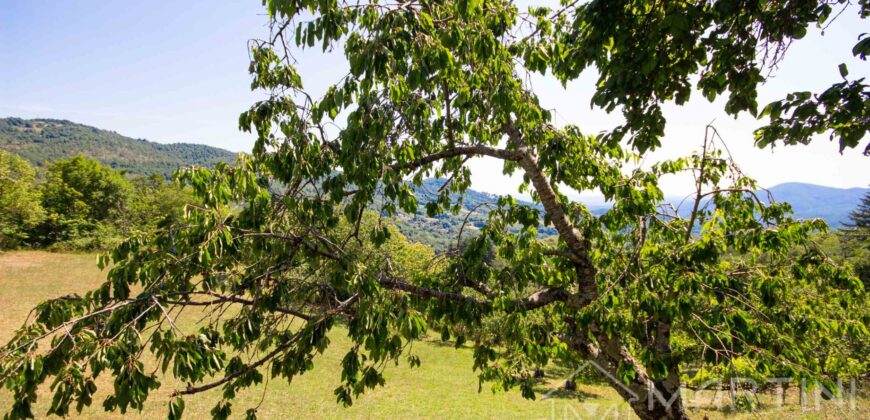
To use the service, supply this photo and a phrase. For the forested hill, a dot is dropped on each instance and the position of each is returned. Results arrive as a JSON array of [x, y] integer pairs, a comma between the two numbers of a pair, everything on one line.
[[441, 232], [44, 140]]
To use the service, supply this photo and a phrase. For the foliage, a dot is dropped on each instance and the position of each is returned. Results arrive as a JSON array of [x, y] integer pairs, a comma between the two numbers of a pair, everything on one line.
[[843, 110], [20, 208], [154, 204], [84, 205], [80, 197], [647, 52], [431, 85], [41, 141]]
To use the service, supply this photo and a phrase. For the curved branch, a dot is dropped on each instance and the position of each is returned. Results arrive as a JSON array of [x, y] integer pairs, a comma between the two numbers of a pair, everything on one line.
[[545, 297], [284, 346], [479, 149], [431, 293], [219, 298], [536, 300], [197, 389]]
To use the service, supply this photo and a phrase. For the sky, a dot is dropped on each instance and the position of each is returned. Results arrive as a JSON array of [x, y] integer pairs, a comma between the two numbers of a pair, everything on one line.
[[171, 71]]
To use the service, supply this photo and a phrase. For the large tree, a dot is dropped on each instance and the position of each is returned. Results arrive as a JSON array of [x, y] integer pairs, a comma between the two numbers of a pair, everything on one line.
[[80, 195], [20, 208], [432, 84]]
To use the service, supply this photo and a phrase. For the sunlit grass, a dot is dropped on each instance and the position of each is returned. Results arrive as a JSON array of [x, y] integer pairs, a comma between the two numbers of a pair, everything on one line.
[[443, 386]]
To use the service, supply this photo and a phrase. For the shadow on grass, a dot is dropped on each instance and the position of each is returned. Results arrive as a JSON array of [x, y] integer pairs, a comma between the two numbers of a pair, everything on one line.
[[551, 385], [441, 343], [564, 394]]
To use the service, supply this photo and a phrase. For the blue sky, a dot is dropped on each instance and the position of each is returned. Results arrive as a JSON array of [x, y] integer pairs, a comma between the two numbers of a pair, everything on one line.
[[163, 70], [173, 71]]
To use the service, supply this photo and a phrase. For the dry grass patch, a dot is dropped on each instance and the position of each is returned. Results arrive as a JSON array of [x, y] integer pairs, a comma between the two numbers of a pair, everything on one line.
[[444, 386]]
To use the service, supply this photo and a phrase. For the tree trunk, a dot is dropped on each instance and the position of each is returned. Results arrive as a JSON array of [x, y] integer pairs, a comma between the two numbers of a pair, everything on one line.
[[655, 400], [663, 399], [649, 399], [570, 385], [660, 411]]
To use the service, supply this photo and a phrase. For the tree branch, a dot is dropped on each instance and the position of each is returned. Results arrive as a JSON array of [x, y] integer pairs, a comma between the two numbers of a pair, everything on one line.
[[545, 297], [478, 149], [236, 374], [431, 293], [536, 300], [567, 232], [235, 299]]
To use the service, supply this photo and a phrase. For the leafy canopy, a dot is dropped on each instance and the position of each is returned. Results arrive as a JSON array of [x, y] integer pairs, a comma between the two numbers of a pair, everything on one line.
[[78, 194], [20, 207]]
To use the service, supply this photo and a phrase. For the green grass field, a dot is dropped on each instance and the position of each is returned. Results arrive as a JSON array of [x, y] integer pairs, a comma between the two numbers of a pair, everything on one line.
[[444, 386]]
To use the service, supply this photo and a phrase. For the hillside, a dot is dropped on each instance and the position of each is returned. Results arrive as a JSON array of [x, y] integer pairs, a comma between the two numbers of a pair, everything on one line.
[[833, 205], [44, 140], [441, 232]]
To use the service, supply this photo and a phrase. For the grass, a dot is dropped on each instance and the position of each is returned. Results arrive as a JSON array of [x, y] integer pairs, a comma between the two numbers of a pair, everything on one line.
[[444, 386]]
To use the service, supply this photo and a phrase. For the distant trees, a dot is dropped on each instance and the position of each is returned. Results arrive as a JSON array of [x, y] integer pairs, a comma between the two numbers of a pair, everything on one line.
[[859, 219], [81, 197], [79, 203], [20, 207], [45, 140]]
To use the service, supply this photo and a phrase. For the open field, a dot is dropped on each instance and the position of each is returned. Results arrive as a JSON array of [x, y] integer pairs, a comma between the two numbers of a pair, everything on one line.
[[444, 386]]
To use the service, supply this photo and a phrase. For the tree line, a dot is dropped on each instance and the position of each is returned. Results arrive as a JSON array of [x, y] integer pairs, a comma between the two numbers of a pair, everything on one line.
[[78, 203]]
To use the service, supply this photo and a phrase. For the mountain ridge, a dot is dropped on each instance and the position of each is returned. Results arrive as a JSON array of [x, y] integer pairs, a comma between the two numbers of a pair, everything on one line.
[[45, 139], [810, 200], [42, 140]]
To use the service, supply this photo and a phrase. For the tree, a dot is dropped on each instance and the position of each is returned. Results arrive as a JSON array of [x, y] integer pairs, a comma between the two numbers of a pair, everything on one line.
[[154, 203], [80, 195], [431, 85], [860, 217], [857, 239], [20, 209]]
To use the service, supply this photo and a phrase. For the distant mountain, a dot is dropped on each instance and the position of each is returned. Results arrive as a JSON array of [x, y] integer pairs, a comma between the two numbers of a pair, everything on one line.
[[833, 205], [808, 201], [816, 201], [44, 140]]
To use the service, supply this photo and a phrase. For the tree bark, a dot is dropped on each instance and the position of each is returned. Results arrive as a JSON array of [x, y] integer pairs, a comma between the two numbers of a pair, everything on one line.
[[647, 398], [656, 411]]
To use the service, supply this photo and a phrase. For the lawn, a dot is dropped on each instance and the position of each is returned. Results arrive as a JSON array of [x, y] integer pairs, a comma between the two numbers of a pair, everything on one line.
[[443, 386]]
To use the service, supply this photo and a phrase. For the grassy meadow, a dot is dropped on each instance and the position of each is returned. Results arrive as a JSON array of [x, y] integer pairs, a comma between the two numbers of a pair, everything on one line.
[[444, 386]]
